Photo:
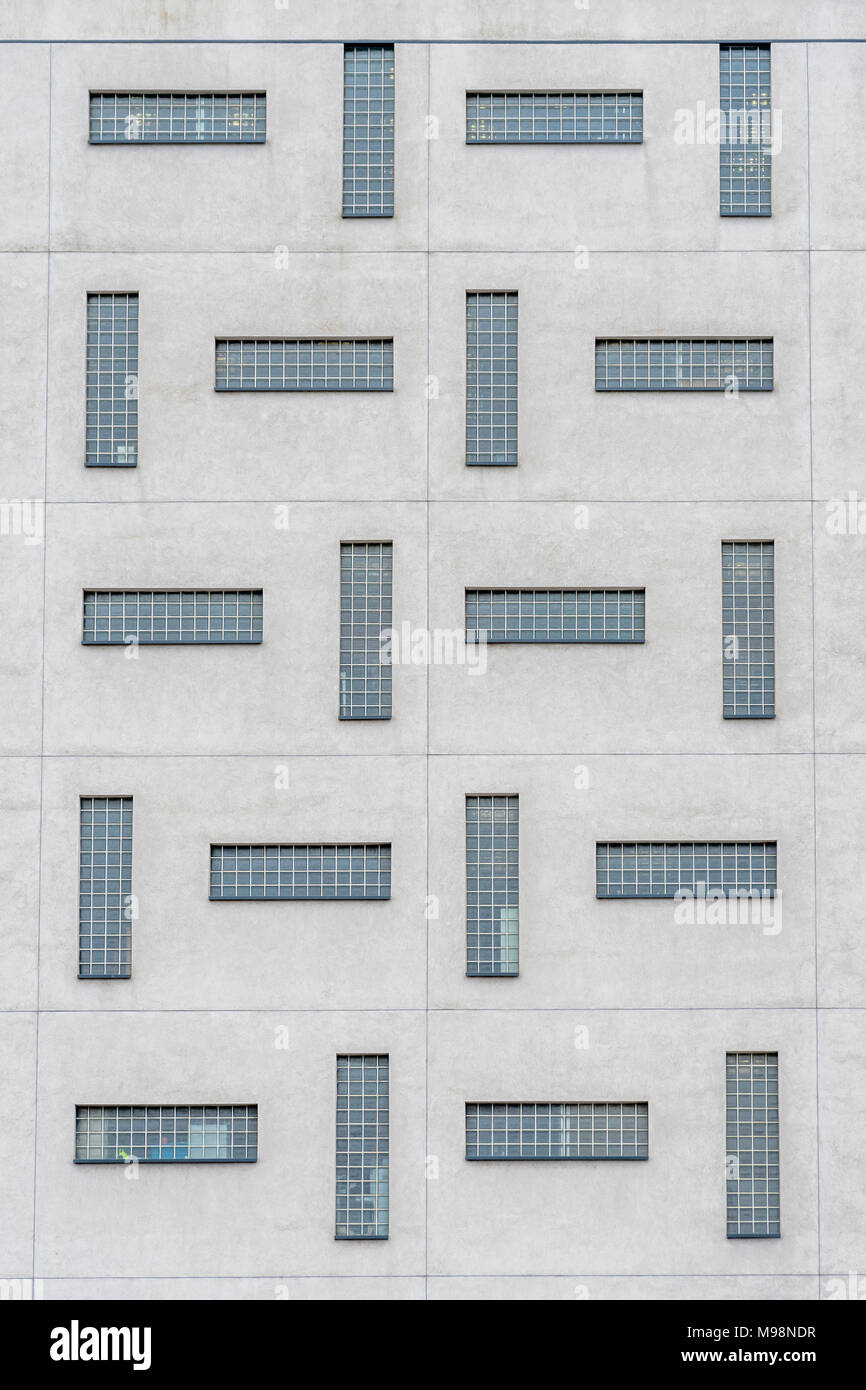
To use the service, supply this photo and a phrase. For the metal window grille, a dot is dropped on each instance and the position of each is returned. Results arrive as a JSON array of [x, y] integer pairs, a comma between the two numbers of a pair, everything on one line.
[[752, 1143], [745, 157], [165, 617], [362, 1148], [166, 1133], [491, 378], [368, 130], [660, 869], [177, 118], [112, 381], [597, 1129], [243, 872], [105, 888], [748, 627], [366, 580], [555, 615], [304, 364], [554, 118], [492, 885], [683, 364]]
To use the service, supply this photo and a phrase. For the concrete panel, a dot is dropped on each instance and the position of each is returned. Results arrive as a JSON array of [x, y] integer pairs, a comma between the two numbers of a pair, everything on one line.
[[17, 1054], [576, 442], [190, 953], [662, 695], [25, 106], [838, 180], [275, 1216], [446, 19], [840, 637], [838, 341], [842, 1080], [19, 876], [580, 952], [195, 442], [276, 698], [660, 195], [286, 192], [665, 1216]]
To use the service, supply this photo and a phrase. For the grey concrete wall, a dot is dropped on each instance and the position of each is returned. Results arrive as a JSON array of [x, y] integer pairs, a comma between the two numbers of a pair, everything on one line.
[[614, 1000]]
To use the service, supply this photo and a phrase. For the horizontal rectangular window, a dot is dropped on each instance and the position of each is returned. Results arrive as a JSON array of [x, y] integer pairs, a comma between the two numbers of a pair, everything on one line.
[[491, 378], [243, 872], [105, 888], [745, 151], [362, 1148], [752, 1144], [177, 118], [554, 118], [748, 630], [598, 1129], [167, 617], [492, 885], [661, 869], [684, 364], [365, 614], [304, 364], [112, 381], [166, 1133], [368, 130], [555, 615]]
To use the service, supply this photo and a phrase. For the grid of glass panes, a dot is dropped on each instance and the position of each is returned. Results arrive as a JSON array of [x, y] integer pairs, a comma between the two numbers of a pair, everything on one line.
[[300, 871], [752, 1143], [553, 118], [177, 118], [368, 130], [683, 364], [596, 1129], [362, 1147], [112, 381], [491, 378], [166, 1133], [492, 885], [105, 888], [305, 364], [365, 614], [660, 869], [748, 626], [165, 616], [745, 159], [555, 615]]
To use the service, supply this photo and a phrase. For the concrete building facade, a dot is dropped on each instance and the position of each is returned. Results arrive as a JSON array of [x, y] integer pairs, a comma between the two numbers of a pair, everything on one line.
[[250, 1003]]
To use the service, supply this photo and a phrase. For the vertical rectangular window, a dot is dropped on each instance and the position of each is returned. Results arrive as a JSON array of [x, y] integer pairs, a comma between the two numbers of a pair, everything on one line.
[[368, 130], [745, 156], [748, 628], [112, 381], [752, 1144], [362, 1148], [105, 888], [366, 581], [491, 378], [492, 885]]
